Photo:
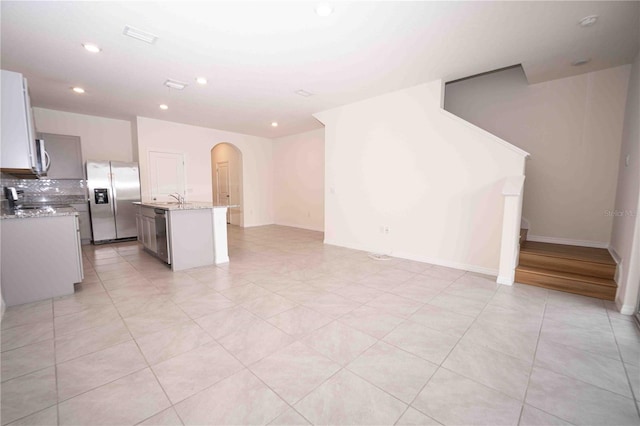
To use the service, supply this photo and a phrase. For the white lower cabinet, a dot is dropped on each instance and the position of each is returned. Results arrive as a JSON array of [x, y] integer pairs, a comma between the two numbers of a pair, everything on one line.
[[139, 226], [150, 233], [146, 223], [41, 258]]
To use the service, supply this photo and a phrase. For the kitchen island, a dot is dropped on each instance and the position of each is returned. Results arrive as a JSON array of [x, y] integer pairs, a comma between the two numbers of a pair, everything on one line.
[[184, 235]]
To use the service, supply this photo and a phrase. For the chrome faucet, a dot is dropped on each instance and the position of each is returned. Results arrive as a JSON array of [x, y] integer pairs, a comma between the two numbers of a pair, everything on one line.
[[178, 197]]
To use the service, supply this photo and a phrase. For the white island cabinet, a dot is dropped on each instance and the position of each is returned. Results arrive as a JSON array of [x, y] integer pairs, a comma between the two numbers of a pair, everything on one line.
[[188, 235], [41, 256], [146, 225]]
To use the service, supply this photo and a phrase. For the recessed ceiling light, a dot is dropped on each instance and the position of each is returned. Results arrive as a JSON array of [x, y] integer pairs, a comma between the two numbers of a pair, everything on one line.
[[91, 47], [303, 93], [579, 62], [139, 34], [324, 9], [78, 89], [163, 106], [588, 21], [274, 124], [201, 80], [175, 84]]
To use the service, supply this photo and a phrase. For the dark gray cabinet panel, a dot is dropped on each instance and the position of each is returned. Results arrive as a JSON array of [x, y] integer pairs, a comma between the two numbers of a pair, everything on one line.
[[66, 156], [85, 221]]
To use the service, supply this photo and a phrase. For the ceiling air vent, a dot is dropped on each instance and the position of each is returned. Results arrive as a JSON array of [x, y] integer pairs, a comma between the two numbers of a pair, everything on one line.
[[139, 34], [175, 84]]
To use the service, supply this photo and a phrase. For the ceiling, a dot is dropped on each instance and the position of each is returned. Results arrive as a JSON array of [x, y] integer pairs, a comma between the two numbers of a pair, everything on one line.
[[255, 55]]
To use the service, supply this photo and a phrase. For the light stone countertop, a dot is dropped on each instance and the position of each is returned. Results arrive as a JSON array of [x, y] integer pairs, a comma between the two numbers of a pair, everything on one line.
[[196, 205], [44, 212]]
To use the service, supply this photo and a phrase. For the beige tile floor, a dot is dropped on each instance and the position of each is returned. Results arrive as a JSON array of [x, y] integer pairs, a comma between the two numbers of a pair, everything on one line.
[[296, 332]]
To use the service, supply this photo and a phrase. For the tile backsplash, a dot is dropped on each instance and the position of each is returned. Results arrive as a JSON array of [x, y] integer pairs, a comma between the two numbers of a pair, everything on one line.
[[47, 191]]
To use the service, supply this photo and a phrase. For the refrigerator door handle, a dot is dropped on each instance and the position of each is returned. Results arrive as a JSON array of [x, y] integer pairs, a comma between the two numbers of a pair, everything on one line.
[[114, 196]]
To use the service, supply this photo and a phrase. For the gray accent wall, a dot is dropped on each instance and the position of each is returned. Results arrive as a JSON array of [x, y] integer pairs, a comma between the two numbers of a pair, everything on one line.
[[572, 127]]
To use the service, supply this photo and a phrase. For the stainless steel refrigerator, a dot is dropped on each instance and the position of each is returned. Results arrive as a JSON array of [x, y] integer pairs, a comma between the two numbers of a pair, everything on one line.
[[113, 187]]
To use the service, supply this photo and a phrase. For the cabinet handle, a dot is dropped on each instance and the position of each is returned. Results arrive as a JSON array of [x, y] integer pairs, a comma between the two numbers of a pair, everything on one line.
[[47, 160]]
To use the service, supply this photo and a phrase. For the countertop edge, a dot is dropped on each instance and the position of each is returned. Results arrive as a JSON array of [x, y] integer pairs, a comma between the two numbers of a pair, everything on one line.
[[187, 206], [37, 215]]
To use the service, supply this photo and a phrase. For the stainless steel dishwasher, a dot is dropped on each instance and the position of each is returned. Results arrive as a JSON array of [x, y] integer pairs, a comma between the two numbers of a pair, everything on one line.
[[161, 235]]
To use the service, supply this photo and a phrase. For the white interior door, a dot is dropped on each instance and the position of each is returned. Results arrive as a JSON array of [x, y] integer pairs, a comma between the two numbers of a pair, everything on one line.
[[166, 174], [222, 169]]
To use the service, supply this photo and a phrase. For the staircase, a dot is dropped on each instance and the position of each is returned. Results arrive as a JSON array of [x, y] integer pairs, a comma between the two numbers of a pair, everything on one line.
[[580, 270]]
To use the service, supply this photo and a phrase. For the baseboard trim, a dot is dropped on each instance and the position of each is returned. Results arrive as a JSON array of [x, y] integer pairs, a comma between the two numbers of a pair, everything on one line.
[[255, 225], [567, 241], [432, 260], [624, 309], [450, 264], [614, 254], [616, 258], [290, 225], [505, 280]]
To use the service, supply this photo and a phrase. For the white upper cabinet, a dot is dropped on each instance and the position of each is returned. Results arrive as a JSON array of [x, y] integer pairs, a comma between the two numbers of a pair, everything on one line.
[[19, 154]]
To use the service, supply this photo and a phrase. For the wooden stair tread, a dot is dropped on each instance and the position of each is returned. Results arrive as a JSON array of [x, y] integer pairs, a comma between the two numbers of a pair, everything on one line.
[[568, 276], [586, 254], [563, 264], [566, 285]]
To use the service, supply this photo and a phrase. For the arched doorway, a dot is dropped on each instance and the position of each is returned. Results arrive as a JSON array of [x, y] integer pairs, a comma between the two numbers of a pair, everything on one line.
[[226, 180]]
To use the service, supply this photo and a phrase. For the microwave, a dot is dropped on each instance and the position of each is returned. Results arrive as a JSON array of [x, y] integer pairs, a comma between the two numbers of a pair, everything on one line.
[[42, 161]]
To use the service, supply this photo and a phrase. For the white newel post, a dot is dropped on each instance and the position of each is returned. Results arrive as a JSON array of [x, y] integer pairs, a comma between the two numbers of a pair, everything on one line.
[[510, 248]]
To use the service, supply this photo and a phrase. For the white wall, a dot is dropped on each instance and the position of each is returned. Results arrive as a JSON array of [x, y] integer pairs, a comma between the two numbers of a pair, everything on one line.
[[101, 138], [572, 127], [399, 160], [196, 144], [625, 236], [134, 140], [225, 152], [298, 167]]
